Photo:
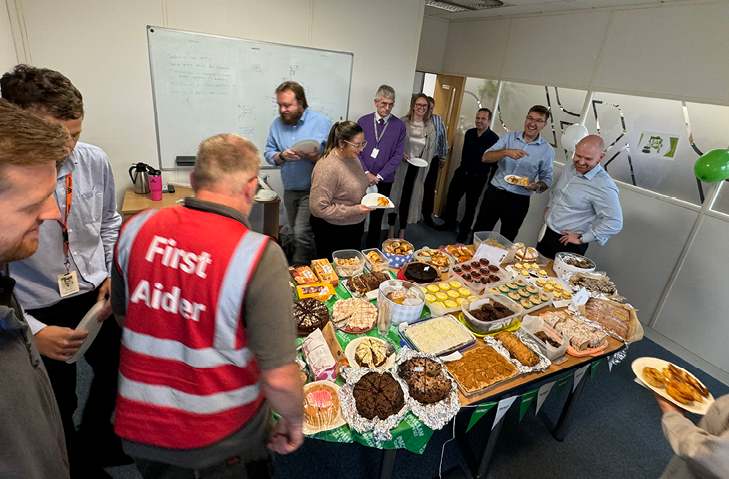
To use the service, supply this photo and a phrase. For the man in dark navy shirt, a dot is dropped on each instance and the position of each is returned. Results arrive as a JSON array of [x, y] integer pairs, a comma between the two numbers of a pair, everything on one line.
[[471, 176]]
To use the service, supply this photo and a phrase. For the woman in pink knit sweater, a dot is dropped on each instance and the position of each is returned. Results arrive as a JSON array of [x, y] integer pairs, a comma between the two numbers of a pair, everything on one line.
[[338, 184]]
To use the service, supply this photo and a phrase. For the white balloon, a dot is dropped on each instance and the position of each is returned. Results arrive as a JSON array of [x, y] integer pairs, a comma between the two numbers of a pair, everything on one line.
[[572, 136]]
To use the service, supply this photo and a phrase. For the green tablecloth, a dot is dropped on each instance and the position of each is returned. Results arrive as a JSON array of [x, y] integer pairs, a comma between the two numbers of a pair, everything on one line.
[[410, 434]]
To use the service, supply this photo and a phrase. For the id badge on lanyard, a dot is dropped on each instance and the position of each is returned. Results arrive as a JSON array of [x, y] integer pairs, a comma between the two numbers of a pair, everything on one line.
[[67, 282], [376, 149]]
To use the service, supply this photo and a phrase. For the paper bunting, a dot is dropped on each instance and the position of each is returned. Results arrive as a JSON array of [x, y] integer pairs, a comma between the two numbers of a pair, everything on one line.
[[578, 376], [542, 395], [561, 384], [504, 406], [479, 412], [593, 367], [526, 400]]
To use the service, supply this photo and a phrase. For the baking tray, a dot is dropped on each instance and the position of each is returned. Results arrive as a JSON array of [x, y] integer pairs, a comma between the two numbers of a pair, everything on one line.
[[499, 349], [404, 328]]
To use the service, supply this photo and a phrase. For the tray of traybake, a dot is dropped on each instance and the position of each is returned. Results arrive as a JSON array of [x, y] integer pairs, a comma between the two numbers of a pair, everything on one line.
[[524, 293]]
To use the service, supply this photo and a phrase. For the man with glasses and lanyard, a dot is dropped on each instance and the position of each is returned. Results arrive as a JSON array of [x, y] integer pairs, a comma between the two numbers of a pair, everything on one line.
[[519, 153], [71, 272], [385, 136]]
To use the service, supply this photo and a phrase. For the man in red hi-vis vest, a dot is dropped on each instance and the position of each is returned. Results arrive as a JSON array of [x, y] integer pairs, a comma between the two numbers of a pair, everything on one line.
[[208, 343]]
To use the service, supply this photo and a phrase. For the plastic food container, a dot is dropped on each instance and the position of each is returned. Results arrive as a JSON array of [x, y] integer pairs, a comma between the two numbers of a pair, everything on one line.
[[401, 313], [481, 236], [397, 260], [532, 325], [438, 307], [347, 271], [376, 266], [561, 267], [484, 327]]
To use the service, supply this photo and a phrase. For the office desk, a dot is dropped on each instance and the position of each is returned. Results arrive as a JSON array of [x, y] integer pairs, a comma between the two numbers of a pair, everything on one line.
[[134, 203]]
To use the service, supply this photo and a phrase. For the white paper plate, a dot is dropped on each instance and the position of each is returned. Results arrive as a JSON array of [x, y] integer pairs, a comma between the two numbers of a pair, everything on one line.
[[511, 177], [697, 408], [265, 195], [370, 201], [352, 348], [419, 162], [306, 146], [90, 323]]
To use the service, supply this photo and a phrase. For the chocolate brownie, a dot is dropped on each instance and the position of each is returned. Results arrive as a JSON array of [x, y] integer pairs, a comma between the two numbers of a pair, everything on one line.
[[425, 379], [491, 312]]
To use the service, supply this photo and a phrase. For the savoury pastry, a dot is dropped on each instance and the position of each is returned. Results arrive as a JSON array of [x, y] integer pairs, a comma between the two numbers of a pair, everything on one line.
[[681, 392], [654, 377]]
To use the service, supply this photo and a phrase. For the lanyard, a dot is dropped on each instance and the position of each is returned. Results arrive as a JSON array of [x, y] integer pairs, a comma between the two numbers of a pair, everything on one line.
[[379, 137], [64, 221]]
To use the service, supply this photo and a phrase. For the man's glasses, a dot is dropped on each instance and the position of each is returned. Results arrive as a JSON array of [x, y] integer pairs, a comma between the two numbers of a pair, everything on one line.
[[362, 145], [536, 120]]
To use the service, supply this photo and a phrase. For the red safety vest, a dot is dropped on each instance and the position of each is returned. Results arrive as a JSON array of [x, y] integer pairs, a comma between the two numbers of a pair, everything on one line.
[[186, 376]]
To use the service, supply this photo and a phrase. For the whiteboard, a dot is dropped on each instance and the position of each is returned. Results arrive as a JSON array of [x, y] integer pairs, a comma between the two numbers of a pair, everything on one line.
[[203, 85]]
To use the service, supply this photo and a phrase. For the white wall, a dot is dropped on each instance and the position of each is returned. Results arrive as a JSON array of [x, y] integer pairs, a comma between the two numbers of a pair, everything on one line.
[[101, 46], [669, 51], [432, 45]]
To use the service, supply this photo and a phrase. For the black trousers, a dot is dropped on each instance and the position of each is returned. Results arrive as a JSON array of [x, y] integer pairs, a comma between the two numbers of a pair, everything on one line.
[[431, 179], [373, 233], [550, 245], [407, 195], [330, 238], [95, 437], [463, 184], [502, 205]]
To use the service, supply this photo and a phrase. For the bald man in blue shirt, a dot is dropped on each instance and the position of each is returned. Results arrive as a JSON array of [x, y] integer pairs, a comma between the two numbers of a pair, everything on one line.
[[583, 205]]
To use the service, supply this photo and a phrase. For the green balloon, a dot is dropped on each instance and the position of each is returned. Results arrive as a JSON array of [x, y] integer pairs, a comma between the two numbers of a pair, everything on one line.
[[713, 166]]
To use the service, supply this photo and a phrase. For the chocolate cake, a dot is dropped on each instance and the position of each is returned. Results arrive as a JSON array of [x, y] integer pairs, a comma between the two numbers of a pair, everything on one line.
[[475, 264], [457, 270], [466, 267], [484, 261], [378, 395], [493, 268], [494, 279], [420, 273], [491, 312], [309, 315], [365, 283], [484, 271], [425, 379]]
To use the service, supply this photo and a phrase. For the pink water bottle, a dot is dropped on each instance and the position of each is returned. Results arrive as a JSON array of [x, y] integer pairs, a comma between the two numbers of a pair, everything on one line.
[[155, 185]]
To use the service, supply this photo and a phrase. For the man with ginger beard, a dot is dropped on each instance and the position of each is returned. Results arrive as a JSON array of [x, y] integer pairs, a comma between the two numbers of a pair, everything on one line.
[[32, 444], [296, 123]]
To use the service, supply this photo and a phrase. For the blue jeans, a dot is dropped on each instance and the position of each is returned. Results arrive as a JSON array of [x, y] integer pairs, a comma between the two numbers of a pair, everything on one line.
[[297, 209]]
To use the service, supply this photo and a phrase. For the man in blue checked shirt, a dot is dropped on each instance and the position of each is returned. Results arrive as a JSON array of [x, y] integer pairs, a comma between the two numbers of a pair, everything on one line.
[[583, 205], [436, 164], [523, 154], [296, 123], [71, 272]]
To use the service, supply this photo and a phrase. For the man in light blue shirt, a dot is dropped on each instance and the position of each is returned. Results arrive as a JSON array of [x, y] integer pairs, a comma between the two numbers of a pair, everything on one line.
[[436, 164], [523, 154], [295, 124], [584, 205], [71, 272]]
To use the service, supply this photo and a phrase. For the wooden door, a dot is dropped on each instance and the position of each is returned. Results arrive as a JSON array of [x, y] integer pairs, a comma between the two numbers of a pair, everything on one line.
[[448, 96]]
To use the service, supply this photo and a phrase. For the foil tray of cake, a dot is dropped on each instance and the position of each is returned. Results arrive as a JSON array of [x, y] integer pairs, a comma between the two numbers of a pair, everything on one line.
[[501, 349], [375, 398], [527, 356], [434, 395], [597, 284]]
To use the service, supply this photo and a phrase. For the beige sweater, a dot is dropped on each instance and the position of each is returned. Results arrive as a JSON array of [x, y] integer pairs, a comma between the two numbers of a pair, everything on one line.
[[337, 188], [701, 451]]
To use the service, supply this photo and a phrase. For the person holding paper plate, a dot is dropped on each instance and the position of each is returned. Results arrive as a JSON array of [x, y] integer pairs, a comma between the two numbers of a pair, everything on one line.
[[294, 142], [338, 184], [410, 175]]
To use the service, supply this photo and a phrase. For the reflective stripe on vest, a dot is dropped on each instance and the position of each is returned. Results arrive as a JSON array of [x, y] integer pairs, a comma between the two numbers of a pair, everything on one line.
[[232, 291], [170, 349], [126, 240], [192, 403]]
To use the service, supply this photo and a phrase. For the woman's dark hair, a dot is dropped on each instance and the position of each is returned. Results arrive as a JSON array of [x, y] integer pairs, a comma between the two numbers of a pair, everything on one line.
[[341, 131]]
